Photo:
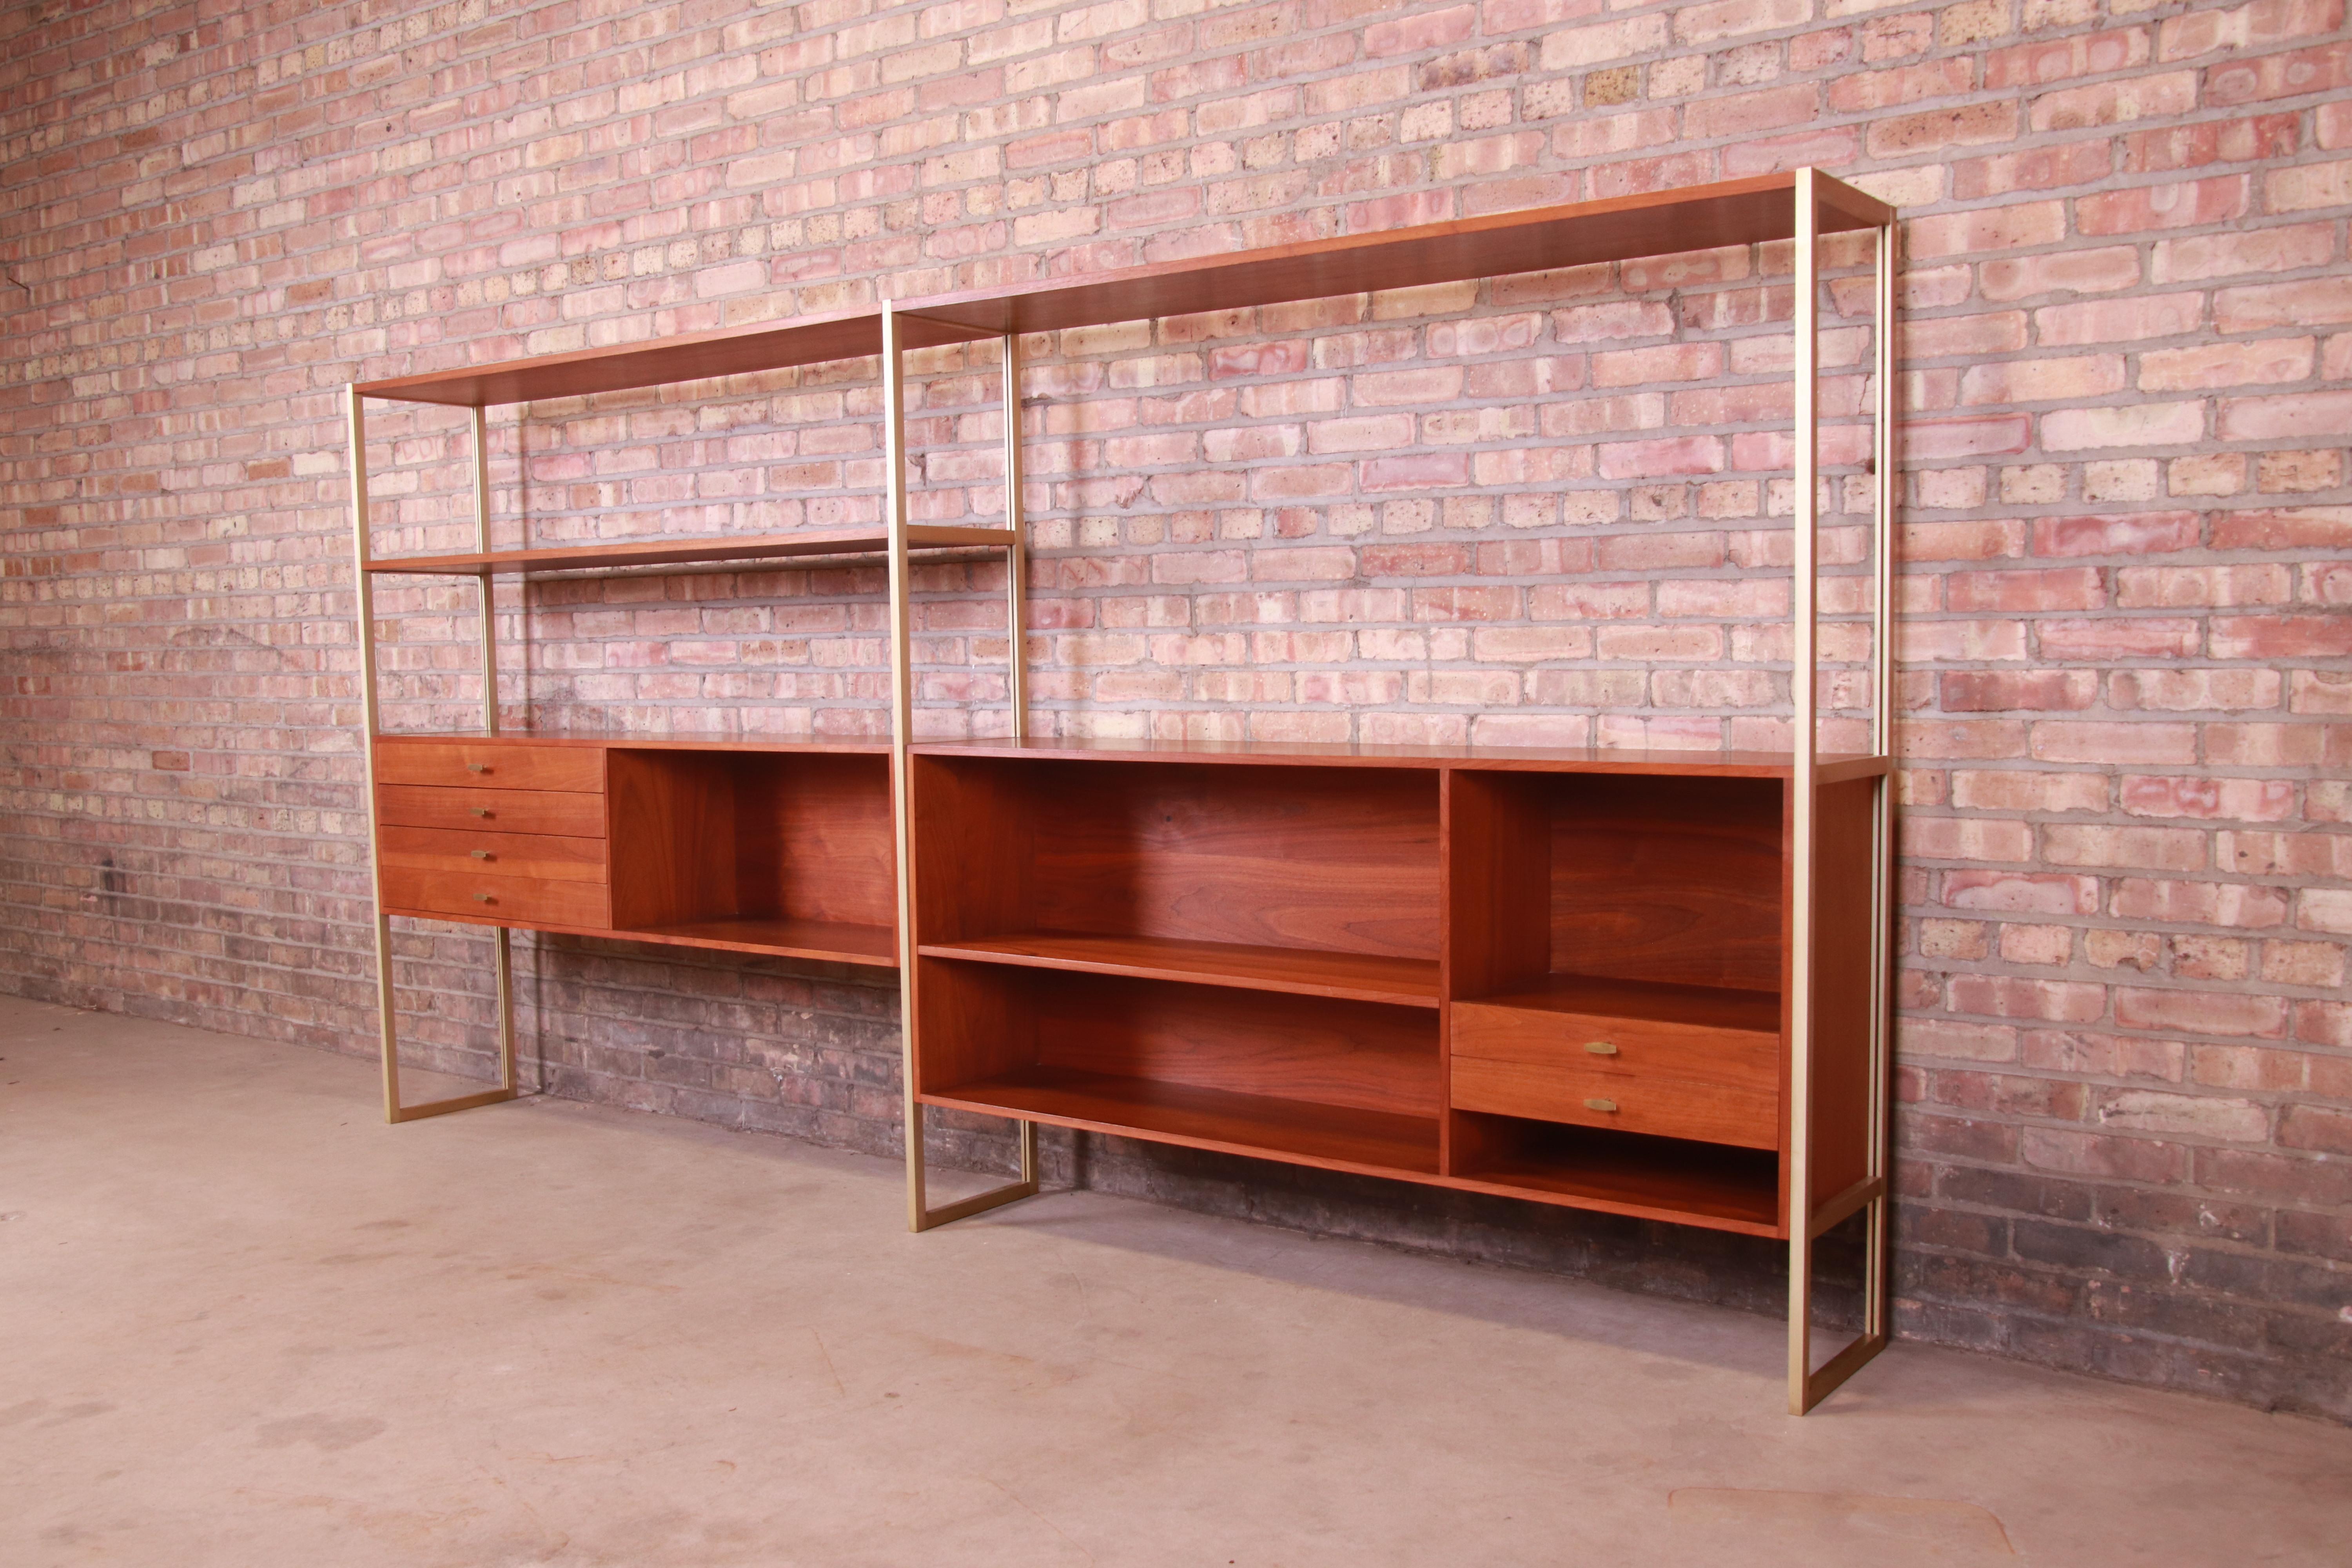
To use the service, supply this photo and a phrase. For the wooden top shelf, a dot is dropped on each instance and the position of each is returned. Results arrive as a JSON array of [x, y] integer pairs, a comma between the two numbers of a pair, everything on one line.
[[1538, 239], [1352, 976], [1833, 766], [607, 555]]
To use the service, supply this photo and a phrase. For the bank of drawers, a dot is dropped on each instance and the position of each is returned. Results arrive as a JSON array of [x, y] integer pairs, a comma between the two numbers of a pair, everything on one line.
[[1675, 1080], [508, 831]]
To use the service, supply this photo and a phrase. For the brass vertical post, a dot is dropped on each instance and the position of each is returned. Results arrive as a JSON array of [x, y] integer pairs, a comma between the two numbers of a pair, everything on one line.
[[1804, 677], [920, 1215]]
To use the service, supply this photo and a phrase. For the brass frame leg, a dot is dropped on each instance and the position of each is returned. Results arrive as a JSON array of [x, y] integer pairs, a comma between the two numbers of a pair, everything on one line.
[[921, 1216], [509, 1079]]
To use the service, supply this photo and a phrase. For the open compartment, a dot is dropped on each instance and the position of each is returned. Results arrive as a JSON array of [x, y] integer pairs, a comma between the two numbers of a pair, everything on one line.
[[1343, 1084], [1688, 1182], [1617, 965], [1310, 880], [782, 852]]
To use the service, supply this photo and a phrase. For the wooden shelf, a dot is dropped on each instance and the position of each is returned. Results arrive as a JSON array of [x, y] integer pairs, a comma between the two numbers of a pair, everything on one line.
[[1331, 1137], [1536, 239], [610, 554], [1708, 1184], [1834, 767], [1358, 977], [831, 941], [1703, 1006]]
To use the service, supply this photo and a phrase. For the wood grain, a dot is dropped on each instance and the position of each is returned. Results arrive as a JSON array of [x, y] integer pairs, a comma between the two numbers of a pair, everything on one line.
[[571, 815], [826, 940], [1675, 880], [505, 901], [1339, 859], [1841, 954], [1714, 1185], [1359, 1055], [489, 764], [814, 838], [1326, 1137], [673, 838], [1406, 982], [545, 855], [1675, 1079]]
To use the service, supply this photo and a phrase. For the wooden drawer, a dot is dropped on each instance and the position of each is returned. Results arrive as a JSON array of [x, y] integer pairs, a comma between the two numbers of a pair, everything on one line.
[[573, 816], [491, 765], [544, 856], [512, 901], [1676, 1080]]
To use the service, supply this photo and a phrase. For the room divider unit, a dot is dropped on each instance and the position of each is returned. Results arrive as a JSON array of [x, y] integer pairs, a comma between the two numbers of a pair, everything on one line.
[[1645, 983]]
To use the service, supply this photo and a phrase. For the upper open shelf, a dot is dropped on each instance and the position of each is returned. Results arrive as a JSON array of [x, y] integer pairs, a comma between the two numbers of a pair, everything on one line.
[[1538, 239], [607, 555]]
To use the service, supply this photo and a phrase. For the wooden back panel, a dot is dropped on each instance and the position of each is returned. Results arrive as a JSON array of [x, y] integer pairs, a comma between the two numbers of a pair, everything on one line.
[[1675, 880], [1343, 859], [1360, 1055], [813, 837]]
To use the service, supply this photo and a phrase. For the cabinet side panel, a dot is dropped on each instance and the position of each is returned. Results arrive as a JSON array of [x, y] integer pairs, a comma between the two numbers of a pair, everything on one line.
[[1343, 859], [1672, 880], [1498, 877], [972, 847], [972, 1022], [673, 844], [1842, 957]]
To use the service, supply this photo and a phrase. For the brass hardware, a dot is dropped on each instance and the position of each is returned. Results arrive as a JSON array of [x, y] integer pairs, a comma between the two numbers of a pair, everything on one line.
[[1600, 1047], [481, 898], [477, 767], [1600, 1105], [479, 810], [483, 854]]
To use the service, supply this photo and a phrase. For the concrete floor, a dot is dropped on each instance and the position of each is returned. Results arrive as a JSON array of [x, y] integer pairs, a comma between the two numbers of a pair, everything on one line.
[[244, 1322]]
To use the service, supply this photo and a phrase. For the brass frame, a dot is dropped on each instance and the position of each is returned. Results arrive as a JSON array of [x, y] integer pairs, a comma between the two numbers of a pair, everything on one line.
[[1808, 1221], [920, 1215], [387, 1019], [1809, 1386]]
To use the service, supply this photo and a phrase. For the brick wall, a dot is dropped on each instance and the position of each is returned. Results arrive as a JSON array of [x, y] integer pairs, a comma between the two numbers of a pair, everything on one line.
[[1536, 508]]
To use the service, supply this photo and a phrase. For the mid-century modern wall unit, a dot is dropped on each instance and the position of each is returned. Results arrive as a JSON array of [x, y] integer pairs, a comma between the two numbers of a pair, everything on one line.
[[1647, 982]]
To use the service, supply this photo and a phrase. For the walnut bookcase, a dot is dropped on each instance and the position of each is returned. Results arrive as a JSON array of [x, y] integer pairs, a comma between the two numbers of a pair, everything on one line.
[[1652, 983]]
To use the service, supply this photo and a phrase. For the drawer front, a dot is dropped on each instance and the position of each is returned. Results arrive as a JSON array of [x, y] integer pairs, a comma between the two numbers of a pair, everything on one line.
[[499, 810], [512, 901], [543, 855], [1720, 1086], [491, 765]]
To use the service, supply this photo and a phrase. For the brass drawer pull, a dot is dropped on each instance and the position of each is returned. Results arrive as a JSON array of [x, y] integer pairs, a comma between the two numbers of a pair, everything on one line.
[[1600, 1105], [481, 898], [479, 810], [483, 854], [477, 767], [1600, 1047]]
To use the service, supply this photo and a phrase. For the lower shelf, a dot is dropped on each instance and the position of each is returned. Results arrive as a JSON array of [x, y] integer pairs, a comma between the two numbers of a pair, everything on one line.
[[1711, 1185], [829, 940], [1332, 1137]]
